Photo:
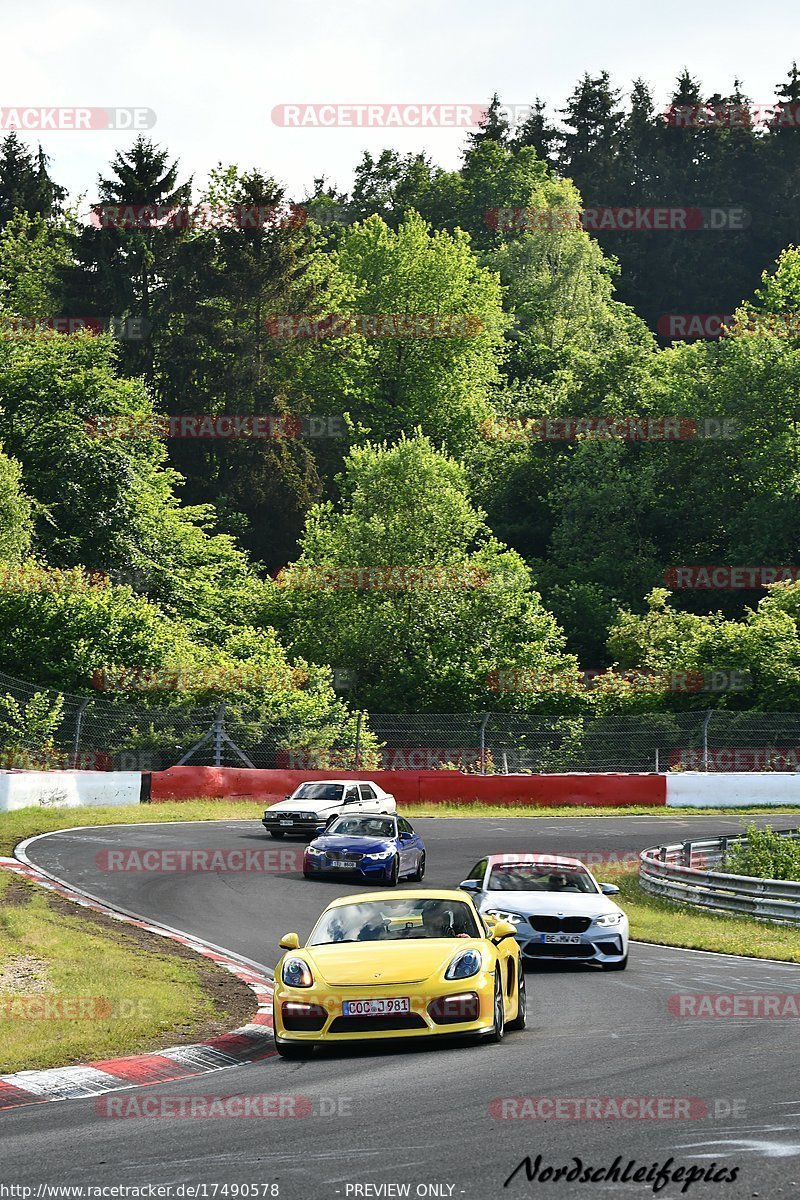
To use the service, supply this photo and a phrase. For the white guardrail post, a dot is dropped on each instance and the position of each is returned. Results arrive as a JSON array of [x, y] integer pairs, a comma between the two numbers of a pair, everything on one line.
[[681, 872]]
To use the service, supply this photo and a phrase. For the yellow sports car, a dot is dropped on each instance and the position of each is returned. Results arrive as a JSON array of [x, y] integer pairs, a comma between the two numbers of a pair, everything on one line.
[[383, 965]]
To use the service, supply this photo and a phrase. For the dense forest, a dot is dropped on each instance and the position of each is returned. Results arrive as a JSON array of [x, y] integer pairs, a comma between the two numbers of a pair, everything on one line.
[[414, 435]]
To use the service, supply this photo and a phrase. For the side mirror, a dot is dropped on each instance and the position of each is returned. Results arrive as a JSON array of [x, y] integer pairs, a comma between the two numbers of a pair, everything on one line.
[[320, 829], [470, 885], [501, 931], [287, 797], [406, 837], [289, 941], [609, 889]]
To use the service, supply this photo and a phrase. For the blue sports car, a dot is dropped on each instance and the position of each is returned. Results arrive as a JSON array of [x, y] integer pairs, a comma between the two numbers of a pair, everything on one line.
[[366, 846]]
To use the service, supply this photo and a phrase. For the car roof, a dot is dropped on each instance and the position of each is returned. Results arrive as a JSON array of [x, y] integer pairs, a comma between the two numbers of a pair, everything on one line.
[[342, 781], [406, 894], [551, 860]]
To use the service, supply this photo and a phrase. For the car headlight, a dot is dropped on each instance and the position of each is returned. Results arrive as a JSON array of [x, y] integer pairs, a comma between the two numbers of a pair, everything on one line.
[[465, 964], [313, 850], [296, 973], [380, 854], [609, 919], [499, 915]]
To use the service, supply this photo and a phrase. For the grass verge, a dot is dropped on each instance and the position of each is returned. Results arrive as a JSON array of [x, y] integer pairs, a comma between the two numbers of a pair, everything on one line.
[[670, 924], [76, 985]]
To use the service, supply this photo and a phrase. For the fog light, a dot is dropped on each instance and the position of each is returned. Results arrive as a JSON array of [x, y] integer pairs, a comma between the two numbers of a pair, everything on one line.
[[451, 1010], [302, 1016]]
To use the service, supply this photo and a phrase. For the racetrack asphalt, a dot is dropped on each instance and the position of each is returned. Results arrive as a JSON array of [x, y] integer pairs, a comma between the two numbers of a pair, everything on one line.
[[423, 1115]]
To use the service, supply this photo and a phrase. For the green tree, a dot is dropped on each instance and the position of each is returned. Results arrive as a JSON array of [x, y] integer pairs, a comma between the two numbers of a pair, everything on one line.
[[95, 469], [34, 252], [25, 183], [124, 262], [443, 316], [462, 606]]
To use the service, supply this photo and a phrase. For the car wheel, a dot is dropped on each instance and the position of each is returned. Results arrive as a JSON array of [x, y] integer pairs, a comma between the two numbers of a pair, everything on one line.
[[308, 874], [277, 833], [499, 1026], [292, 1049], [420, 871], [394, 874], [522, 1003], [617, 966]]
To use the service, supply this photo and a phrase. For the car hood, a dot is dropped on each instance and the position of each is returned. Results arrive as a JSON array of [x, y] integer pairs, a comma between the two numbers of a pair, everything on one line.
[[570, 903], [363, 845], [315, 806], [375, 964]]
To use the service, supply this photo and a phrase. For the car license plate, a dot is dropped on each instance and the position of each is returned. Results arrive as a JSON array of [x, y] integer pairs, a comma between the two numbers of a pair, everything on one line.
[[284, 821], [343, 866], [376, 1008], [561, 939]]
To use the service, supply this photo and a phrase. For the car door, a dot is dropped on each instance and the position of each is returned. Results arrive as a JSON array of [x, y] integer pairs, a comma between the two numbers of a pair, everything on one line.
[[368, 797], [351, 800], [409, 848]]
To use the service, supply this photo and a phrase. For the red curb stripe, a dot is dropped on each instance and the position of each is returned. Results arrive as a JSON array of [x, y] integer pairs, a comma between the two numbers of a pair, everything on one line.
[[11, 1096], [237, 1045], [143, 1068]]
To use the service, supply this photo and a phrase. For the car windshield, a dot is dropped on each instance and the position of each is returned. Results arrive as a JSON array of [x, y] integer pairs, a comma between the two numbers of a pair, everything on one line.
[[318, 791], [379, 827], [540, 877], [394, 920]]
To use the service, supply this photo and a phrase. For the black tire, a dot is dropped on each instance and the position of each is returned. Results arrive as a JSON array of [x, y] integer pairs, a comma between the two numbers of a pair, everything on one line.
[[522, 1002], [395, 875], [419, 874], [307, 875], [499, 1027], [277, 833], [292, 1049], [617, 966]]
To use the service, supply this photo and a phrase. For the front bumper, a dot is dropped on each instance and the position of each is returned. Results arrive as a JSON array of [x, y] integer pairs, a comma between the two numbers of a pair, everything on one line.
[[297, 827], [417, 1023], [598, 944], [379, 869]]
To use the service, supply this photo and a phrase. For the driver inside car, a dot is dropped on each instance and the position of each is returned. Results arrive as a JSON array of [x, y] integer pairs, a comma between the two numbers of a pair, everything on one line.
[[437, 921]]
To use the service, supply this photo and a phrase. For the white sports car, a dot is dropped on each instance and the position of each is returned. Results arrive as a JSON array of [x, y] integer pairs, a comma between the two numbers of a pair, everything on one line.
[[313, 804], [557, 907]]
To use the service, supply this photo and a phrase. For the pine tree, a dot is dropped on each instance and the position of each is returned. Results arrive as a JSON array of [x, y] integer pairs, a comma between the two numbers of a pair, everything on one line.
[[494, 127], [124, 265], [538, 132], [25, 183], [592, 140]]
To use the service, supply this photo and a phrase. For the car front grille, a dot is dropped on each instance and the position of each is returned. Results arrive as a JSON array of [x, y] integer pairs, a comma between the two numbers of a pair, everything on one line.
[[548, 924], [344, 856], [554, 950], [382, 1024]]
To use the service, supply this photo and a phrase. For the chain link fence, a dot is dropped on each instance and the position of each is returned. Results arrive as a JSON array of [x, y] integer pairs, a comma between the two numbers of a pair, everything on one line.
[[45, 729]]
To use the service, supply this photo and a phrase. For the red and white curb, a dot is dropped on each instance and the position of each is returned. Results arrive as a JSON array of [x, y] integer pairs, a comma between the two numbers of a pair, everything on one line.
[[250, 1043]]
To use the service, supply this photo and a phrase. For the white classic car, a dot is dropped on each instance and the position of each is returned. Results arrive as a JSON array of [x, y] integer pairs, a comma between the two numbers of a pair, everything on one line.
[[313, 804]]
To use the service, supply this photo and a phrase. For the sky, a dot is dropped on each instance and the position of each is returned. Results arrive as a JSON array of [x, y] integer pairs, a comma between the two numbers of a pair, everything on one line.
[[213, 72]]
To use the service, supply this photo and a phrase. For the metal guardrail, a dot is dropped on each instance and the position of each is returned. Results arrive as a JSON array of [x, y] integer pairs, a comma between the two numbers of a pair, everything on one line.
[[681, 872]]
